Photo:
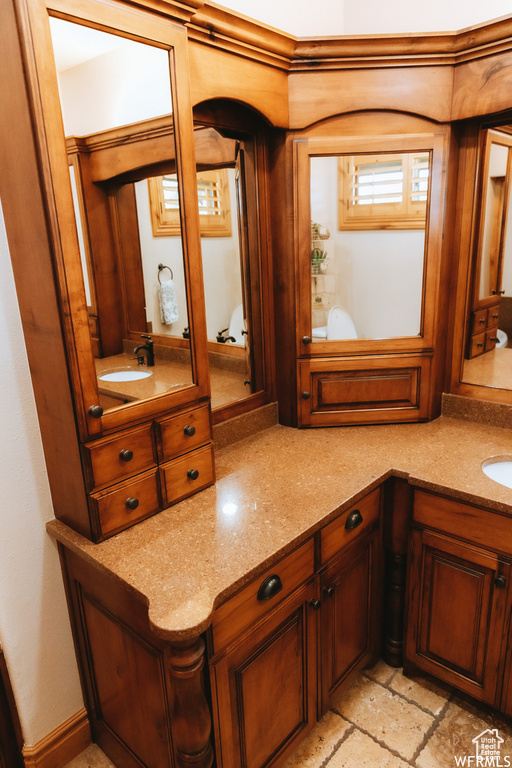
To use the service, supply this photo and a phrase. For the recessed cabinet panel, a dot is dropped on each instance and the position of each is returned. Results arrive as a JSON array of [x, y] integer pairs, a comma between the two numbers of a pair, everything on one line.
[[365, 390]]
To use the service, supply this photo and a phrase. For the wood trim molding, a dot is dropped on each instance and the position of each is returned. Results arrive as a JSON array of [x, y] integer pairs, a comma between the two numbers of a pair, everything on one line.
[[61, 745]]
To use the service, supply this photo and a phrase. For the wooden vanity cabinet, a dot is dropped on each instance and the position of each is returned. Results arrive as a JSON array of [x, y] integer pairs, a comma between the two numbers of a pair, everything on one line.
[[351, 595], [458, 602]]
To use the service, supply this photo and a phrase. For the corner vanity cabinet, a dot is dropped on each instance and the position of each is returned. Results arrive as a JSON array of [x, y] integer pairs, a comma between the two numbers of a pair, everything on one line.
[[459, 598], [276, 652]]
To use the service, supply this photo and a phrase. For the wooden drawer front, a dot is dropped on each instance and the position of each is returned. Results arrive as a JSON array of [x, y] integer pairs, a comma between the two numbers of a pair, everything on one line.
[[178, 476], [479, 526], [490, 339], [114, 458], [113, 510], [477, 345], [175, 432], [493, 317], [364, 390], [335, 536], [478, 321], [243, 609]]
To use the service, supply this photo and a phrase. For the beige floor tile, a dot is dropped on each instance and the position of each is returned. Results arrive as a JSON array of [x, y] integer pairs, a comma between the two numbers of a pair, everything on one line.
[[387, 717], [92, 757], [423, 692], [454, 737], [360, 751], [320, 743], [381, 673]]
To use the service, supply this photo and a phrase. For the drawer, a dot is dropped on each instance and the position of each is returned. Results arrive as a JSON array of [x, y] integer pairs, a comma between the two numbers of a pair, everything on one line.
[[477, 345], [490, 339], [478, 321], [464, 521], [493, 316], [188, 474], [340, 533], [244, 609], [127, 503], [183, 432], [111, 459]]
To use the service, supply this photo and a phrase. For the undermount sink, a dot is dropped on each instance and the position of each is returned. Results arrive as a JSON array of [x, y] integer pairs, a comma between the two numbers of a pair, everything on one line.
[[125, 374], [499, 470]]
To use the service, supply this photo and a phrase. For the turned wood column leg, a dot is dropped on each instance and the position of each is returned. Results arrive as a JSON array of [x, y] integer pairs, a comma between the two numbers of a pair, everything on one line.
[[397, 514], [191, 721]]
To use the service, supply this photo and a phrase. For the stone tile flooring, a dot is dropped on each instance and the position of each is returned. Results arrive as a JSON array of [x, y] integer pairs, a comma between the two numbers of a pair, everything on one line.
[[386, 720]]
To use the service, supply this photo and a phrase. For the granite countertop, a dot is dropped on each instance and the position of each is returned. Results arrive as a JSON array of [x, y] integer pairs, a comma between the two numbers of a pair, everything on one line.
[[274, 490]]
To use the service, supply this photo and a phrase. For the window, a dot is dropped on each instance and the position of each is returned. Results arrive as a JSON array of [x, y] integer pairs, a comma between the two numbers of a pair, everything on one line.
[[386, 191], [213, 201]]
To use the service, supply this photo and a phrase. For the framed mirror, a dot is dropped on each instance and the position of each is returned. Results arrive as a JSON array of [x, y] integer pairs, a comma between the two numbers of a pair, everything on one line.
[[119, 105]]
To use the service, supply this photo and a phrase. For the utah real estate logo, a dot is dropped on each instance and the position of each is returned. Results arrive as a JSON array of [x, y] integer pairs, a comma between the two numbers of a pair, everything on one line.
[[488, 752]]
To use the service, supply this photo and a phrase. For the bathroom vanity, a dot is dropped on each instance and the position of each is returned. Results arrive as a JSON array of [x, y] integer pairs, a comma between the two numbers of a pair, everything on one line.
[[193, 574]]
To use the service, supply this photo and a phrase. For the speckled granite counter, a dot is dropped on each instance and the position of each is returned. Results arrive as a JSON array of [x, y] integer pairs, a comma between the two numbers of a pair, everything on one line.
[[273, 491]]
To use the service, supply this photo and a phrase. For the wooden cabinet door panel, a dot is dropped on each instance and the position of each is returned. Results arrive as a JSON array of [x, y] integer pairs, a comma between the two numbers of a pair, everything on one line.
[[456, 613], [265, 687], [350, 633]]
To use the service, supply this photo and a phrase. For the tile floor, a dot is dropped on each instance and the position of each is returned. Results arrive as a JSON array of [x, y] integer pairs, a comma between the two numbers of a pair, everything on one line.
[[385, 720]]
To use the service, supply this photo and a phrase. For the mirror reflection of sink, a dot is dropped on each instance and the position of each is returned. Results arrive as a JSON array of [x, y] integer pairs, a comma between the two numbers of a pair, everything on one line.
[[499, 469], [125, 374]]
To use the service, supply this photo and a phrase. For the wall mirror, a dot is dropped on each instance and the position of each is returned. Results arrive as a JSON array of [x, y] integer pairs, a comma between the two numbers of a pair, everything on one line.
[[368, 241], [118, 106], [487, 359], [368, 219]]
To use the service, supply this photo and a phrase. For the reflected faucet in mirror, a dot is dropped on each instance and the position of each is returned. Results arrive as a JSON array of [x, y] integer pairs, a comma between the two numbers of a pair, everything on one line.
[[148, 349]]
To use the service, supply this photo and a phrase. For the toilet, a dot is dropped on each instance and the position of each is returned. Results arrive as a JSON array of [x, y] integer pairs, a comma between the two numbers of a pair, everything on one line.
[[502, 338], [339, 326]]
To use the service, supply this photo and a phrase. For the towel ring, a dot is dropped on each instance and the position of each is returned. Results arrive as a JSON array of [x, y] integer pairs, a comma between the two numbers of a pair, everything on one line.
[[160, 267]]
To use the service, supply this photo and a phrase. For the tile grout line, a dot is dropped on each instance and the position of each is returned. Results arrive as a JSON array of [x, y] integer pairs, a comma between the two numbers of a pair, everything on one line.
[[426, 711], [433, 728], [375, 739]]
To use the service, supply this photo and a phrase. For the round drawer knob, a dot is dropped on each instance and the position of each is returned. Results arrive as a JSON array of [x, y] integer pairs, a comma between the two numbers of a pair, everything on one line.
[[189, 430], [501, 582], [305, 395], [193, 474], [306, 340], [132, 503], [329, 591], [315, 604], [126, 455], [96, 411]]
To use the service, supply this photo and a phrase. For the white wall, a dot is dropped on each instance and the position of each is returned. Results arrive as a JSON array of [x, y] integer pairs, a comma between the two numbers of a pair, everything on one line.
[[34, 626]]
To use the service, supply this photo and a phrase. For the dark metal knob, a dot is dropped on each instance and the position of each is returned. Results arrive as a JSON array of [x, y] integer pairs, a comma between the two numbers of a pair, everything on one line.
[[494, 338], [269, 587], [306, 340], [353, 520], [482, 321], [315, 604], [96, 411], [189, 430], [305, 395], [193, 474], [329, 591], [126, 455], [480, 344], [132, 503], [500, 582], [497, 293]]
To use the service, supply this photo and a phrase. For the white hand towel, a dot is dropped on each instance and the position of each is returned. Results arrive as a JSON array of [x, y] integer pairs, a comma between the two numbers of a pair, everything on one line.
[[168, 303]]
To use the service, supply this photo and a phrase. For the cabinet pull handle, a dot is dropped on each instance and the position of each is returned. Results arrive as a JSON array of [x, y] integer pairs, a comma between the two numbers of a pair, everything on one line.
[[353, 520], [480, 344], [482, 321], [189, 430], [96, 411], [500, 582], [193, 474], [132, 503], [269, 587], [126, 455], [315, 604], [306, 340], [497, 293], [306, 395], [329, 591], [494, 338]]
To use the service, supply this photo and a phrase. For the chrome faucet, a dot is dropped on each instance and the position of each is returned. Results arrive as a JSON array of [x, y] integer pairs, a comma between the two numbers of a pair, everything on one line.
[[148, 349]]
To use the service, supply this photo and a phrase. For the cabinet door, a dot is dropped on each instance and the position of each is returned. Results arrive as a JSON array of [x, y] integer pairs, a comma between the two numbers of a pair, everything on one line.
[[264, 686], [457, 596], [349, 616]]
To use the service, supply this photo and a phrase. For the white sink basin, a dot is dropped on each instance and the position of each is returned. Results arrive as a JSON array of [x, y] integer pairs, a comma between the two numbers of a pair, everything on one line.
[[499, 470], [125, 374]]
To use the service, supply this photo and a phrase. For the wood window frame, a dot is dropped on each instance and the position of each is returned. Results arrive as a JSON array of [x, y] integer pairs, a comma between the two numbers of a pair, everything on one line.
[[165, 222], [405, 213]]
